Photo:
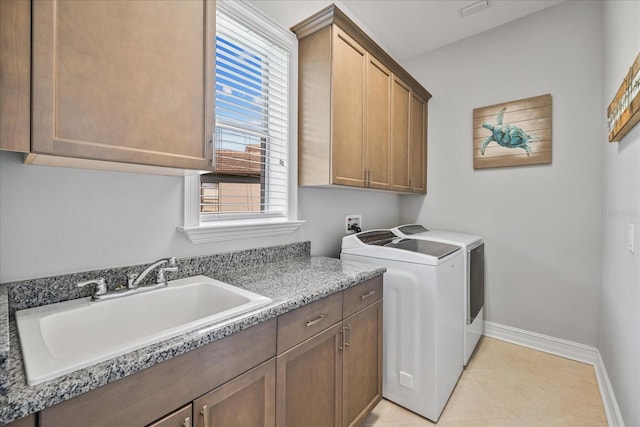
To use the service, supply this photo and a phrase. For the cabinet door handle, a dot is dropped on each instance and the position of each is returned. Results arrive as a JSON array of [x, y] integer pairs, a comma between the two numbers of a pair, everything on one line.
[[341, 347], [347, 336], [187, 422], [315, 321], [205, 414], [368, 294]]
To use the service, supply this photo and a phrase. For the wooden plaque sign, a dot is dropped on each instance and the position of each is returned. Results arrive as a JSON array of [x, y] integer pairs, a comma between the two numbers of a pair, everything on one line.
[[624, 111], [513, 133]]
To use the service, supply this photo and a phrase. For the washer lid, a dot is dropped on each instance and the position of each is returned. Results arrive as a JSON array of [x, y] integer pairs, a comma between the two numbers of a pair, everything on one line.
[[385, 245], [376, 237], [453, 237], [426, 247], [410, 229]]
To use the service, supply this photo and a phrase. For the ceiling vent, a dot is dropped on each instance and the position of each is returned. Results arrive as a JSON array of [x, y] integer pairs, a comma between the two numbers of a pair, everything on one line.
[[473, 7]]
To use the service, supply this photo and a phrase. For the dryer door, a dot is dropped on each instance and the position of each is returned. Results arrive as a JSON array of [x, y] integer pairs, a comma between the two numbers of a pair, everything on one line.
[[476, 282]]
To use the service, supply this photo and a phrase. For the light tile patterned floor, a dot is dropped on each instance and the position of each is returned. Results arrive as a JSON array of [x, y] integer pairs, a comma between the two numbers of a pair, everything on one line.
[[507, 385]]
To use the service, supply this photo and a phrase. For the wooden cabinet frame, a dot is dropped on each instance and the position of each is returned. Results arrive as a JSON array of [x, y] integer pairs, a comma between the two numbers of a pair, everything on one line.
[[337, 371], [246, 400], [348, 137], [120, 85], [147, 395]]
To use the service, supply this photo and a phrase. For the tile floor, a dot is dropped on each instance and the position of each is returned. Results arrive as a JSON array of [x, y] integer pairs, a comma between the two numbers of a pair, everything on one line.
[[508, 385]]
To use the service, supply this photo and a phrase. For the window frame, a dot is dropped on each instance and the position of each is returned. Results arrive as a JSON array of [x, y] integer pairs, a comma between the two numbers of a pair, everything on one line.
[[199, 231]]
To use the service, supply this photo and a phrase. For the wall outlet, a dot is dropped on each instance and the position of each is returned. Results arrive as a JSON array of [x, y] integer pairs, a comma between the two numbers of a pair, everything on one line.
[[353, 224]]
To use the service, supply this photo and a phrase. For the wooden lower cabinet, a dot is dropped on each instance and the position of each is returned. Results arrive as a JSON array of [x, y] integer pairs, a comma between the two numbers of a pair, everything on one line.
[[334, 378], [362, 364], [28, 421], [148, 395], [325, 370], [248, 400], [309, 383], [180, 418]]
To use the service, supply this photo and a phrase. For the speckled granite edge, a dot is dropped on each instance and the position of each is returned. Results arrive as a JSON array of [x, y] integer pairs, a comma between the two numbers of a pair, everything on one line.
[[4, 340], [49, 290], [289, 282]]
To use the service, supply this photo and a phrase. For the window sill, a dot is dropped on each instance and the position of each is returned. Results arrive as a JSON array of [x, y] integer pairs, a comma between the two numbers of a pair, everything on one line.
[[239, 229]]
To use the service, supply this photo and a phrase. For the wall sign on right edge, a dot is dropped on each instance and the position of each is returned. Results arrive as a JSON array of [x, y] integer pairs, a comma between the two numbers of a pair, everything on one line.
[[513, 133], [624, 110]]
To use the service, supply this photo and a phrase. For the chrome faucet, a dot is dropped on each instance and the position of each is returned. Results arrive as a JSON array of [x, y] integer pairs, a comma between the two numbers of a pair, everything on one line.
[[134, 280]]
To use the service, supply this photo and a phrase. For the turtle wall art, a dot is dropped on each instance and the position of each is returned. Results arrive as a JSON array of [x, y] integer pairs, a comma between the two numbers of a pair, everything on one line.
[[513, 133]]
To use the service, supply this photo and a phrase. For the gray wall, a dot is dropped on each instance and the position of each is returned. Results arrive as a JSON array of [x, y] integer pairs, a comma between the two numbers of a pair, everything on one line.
[[57, 220], [542, 223], [619, 338]]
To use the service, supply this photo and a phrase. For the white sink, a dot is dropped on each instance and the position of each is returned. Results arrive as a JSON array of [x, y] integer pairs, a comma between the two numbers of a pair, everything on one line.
[[59, 338]]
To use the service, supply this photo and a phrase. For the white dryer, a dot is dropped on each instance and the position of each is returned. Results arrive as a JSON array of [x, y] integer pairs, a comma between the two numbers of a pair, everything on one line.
[[473, 259], [422, 320]]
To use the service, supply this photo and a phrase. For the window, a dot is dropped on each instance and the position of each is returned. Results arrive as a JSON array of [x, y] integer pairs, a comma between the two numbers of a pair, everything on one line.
[[250, 153], [250, 182]]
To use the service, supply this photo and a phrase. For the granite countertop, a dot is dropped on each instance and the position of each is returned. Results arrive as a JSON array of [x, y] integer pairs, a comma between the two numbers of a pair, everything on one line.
[[290, 283]]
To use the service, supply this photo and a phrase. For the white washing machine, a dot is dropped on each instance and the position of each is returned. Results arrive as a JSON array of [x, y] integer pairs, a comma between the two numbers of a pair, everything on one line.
[[422, 320], [473, 259]]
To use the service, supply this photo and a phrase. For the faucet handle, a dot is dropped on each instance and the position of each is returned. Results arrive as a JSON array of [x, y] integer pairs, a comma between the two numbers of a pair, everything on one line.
[[131, 278], [161, 277], [101, 285], [173, 266]]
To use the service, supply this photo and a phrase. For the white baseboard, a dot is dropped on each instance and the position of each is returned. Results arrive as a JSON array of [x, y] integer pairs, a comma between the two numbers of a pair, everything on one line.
[[568, 349], [614, 417]]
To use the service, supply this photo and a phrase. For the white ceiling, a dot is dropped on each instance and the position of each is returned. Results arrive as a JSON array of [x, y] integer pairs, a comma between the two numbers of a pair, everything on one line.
[[408, 28]]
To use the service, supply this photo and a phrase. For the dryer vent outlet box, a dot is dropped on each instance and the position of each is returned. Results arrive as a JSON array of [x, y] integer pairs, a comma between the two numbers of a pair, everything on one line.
[[353, 224]]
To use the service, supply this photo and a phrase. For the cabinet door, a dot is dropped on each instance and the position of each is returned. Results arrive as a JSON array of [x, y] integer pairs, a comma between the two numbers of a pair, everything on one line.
[[15, 57], [309, 382], [348, 113], [28, 421], [246, 401], [400, 102], [124, 80], [180, 418], [418, 145], [378, 121], [362, 364]]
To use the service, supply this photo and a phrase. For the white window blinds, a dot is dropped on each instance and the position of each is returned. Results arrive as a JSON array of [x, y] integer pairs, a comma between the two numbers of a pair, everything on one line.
[[251, 136]]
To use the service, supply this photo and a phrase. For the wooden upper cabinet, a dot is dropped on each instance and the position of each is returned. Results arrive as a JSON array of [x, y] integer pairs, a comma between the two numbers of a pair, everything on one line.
[[354, 120], [418, 144], [15, 60], [378, 136], [409, 139], [124, 81], [400, 105], [349, 67]]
